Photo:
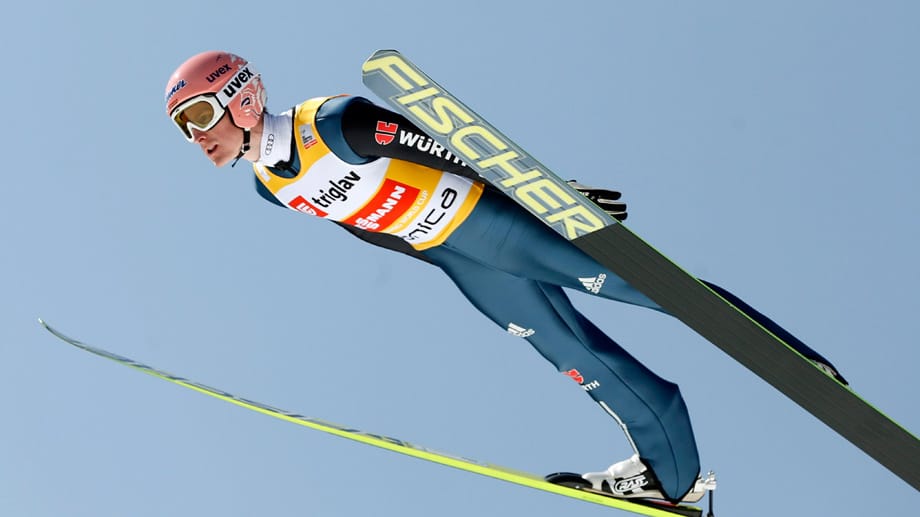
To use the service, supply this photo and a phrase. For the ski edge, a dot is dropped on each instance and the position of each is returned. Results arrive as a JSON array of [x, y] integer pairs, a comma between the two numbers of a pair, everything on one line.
[[381, 441]]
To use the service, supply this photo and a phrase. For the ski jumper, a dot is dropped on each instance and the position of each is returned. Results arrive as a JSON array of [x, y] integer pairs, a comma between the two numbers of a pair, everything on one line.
[[377, 175]]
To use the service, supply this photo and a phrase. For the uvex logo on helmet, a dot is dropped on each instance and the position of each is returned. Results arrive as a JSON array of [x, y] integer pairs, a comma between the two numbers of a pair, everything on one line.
[[233, 86], [213, 76]]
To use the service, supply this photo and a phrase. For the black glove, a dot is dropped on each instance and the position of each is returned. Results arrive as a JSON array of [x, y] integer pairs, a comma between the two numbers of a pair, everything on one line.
[[604, 198]]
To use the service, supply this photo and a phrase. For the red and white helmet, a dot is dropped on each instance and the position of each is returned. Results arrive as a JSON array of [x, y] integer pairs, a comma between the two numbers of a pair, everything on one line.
[[214, 82]]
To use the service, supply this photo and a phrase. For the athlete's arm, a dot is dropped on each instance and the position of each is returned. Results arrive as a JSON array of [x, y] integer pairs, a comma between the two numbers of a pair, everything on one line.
[[608, 200], [370, 131], [356, 127]]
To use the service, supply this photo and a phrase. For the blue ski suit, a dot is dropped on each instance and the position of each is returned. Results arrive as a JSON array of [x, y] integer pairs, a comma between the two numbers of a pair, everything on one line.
[[514, 270]]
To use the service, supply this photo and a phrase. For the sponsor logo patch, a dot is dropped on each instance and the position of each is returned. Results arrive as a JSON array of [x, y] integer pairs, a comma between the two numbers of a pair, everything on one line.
[[306, 136], [213, 76], [426, 144], [302, 205], [390, 202], [175, 89], [575, 375], [386, 132], [519, 331], [336, 191], [593, 283], [630, 484], [239, 80], [269, 144]]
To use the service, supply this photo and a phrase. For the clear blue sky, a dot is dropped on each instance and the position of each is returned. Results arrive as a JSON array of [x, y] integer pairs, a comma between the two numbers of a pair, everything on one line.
[[773, 149]]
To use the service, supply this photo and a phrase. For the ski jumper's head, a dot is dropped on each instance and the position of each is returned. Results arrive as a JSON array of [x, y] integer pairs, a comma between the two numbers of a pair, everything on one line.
[[215, 98]]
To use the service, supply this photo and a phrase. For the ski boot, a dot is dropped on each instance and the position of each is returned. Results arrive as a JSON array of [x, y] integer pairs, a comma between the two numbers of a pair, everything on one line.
[[631, 478]]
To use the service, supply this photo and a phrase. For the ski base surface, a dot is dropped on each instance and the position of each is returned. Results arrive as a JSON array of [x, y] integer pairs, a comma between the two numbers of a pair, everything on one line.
[[504, 164], [384, 442]]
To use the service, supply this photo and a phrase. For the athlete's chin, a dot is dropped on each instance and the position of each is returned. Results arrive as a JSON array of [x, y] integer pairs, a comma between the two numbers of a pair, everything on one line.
[[219, 159]]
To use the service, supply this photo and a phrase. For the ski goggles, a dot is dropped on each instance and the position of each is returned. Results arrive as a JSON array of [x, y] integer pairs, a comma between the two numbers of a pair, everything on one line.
[[200, 112]]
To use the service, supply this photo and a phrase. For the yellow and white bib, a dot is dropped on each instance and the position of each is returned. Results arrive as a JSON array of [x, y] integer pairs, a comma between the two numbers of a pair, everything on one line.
[[419, 204]]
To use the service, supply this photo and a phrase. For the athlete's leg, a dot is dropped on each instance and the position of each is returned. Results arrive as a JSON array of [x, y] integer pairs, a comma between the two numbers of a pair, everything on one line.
[[505, 236], [772, 326], [650, 409]]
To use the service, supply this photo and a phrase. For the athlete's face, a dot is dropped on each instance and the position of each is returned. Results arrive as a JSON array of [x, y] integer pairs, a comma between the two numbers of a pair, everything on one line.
[[221, 143]]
